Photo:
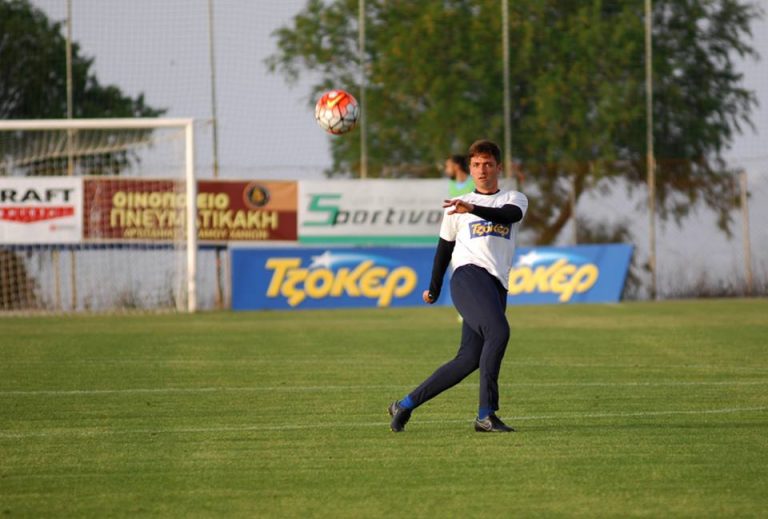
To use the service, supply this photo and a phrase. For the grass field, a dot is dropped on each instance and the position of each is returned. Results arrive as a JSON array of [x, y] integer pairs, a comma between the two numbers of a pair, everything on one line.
[[646, 410]]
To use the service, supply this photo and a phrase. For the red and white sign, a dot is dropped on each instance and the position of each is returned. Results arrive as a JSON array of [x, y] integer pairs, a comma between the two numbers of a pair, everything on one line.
[[41, 210]]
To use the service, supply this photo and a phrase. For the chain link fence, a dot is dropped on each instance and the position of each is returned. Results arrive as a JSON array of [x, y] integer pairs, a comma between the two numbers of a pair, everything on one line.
[[695, 257], [266, 131]]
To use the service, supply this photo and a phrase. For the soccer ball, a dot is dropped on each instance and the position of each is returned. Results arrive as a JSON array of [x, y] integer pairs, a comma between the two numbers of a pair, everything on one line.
[[337, 111]]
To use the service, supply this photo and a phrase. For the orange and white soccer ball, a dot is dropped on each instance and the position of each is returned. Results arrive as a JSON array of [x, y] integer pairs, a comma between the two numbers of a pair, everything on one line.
[[337, 112]]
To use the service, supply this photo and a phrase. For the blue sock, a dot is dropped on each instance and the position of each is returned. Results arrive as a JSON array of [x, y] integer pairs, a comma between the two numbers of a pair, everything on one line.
[[406, 403], [483, 413]]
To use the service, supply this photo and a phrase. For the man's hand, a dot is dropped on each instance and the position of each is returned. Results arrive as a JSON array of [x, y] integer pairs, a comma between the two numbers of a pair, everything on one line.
[[459, 206], [427, 297]]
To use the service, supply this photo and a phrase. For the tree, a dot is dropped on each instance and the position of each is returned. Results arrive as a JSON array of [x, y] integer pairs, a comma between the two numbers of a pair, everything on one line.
[[33, 82], [434, 76], [33, 72]]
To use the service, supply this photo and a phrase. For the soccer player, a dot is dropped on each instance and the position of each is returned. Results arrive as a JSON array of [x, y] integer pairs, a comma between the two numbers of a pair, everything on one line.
[[478, 234], [460, 182]]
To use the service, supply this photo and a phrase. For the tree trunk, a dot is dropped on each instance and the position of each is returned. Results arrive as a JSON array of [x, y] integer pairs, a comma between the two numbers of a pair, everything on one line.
[[551, 231]]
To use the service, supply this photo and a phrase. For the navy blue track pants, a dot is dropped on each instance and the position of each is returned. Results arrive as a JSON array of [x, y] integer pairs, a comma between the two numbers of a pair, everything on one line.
[[481, 300]]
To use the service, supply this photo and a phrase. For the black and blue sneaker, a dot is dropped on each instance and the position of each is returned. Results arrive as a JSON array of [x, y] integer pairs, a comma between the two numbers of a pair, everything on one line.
[[492, 424], [400, 416]]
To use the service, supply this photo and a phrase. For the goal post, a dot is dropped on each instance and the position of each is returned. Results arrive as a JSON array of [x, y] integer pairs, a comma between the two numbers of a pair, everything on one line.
[[79, 185]]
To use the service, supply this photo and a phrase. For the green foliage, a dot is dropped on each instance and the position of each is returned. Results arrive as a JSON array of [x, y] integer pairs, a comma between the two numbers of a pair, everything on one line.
[[33, 86], [33, 72], [434, 74]]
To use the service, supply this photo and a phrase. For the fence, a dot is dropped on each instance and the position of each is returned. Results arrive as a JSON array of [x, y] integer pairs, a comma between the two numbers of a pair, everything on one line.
[[265, 129], [695, 257]]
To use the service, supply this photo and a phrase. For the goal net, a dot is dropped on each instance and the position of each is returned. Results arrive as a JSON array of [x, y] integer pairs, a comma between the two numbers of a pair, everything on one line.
[[94, 213]]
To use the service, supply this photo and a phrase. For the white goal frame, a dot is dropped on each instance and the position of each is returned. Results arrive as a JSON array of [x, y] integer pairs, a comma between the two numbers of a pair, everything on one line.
[[138, 123]]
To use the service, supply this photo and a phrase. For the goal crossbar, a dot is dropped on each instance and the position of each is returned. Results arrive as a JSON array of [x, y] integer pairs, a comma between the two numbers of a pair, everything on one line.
[[93, 124]]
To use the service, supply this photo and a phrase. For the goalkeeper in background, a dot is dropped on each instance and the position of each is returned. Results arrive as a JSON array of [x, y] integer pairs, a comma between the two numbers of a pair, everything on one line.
[[477, 234]]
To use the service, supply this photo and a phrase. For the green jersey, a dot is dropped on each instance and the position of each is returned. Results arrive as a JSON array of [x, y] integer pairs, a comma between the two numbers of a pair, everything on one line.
[[460, 188]]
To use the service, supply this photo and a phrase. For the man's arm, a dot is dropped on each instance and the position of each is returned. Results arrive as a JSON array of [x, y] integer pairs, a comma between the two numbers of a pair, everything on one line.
[[440, 264], [506, 214]]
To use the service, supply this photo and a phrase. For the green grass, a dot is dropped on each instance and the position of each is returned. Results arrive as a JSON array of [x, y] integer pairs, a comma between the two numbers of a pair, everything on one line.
[[631, 410]]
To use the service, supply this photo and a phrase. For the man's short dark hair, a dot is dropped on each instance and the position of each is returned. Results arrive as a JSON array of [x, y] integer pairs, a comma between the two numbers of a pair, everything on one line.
[[485, 147], [461, 161]]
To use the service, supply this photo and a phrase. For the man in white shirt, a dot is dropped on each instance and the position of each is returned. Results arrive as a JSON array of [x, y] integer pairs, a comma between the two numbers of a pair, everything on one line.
[[478, 236]]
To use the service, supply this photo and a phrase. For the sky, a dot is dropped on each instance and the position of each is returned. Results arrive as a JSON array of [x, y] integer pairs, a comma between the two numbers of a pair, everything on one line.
[[161, 49], [267, 128], [749, 149]]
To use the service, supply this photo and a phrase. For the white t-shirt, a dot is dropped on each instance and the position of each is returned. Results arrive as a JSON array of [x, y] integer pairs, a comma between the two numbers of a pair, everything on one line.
[[479, 242]]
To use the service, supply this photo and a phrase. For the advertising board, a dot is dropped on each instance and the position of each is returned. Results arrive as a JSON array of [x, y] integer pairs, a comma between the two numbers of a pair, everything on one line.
[[125, 209], [41, 210], [269, 278]]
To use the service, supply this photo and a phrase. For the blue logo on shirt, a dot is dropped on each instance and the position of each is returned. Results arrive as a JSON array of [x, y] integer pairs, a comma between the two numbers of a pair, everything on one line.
[[481, 229]]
